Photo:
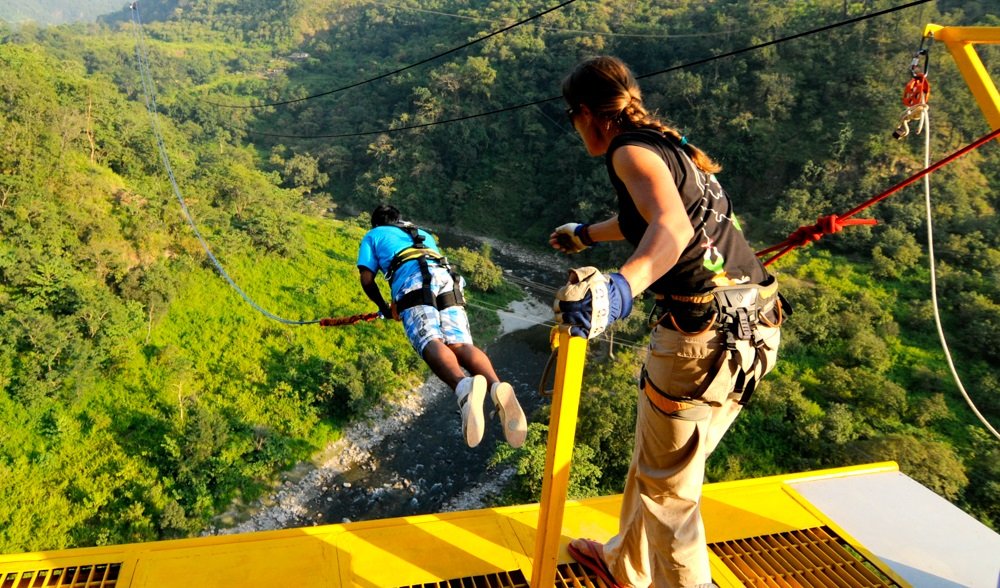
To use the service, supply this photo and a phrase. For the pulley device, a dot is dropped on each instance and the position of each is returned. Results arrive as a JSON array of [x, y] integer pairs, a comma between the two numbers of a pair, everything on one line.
[[917, 91]]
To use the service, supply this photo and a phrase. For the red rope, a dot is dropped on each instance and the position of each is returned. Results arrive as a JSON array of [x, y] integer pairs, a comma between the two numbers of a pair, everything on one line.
[[347, 320], [835, 223]]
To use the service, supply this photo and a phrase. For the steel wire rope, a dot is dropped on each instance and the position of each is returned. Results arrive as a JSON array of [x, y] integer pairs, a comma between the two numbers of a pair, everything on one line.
[[553, 98], [399, 70], [150, 99], [934, 298], [532, 284]]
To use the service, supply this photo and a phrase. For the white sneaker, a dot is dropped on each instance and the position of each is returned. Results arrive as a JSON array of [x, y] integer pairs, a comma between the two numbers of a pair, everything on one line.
[[471, 392], [515, 426]]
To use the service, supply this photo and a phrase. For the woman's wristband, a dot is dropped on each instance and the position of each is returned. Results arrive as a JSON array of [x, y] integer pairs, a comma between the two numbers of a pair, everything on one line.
[[583, 232]]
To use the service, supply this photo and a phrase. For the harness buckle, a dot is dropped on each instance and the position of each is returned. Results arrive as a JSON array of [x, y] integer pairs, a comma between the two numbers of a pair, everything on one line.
[[743, 330]]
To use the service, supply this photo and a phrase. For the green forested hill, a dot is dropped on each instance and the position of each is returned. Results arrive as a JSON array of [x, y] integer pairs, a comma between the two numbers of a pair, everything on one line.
[[142, 395]]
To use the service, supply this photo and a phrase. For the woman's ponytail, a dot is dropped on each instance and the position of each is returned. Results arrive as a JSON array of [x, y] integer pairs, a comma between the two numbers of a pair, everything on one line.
[[608, 88], [635, 116]]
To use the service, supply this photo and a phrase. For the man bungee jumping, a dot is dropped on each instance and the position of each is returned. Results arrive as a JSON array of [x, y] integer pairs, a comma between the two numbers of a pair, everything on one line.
[[427, 297]]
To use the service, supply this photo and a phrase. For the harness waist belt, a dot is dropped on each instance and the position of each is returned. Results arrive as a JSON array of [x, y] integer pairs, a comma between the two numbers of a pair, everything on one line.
[[693, 299], [441, 301], [711, 309], [764, 292]]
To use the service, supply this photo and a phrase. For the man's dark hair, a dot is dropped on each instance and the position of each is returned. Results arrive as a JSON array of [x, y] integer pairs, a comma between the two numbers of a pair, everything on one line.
[[385, 214]]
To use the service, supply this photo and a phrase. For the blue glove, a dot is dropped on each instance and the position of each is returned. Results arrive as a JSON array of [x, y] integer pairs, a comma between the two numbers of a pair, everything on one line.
[[592, 301]]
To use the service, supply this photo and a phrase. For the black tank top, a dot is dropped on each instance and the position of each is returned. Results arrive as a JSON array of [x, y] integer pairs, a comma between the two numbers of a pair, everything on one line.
[[718, 254]]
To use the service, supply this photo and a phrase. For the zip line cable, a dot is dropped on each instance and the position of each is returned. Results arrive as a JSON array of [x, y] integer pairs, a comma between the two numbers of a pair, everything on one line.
[[925, 121], [402, 69], [409, 127], [150, 98], [553, 98]]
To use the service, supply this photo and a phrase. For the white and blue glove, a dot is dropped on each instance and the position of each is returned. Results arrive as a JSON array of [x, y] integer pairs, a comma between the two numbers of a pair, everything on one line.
[[571, 238], [591, 301]]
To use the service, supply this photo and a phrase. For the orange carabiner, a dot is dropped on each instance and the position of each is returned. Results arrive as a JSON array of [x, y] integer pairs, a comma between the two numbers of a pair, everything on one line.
[[917, 90]]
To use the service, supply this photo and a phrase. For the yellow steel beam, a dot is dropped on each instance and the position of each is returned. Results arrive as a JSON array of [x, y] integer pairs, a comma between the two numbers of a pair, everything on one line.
[[960, 42], [559, 454]]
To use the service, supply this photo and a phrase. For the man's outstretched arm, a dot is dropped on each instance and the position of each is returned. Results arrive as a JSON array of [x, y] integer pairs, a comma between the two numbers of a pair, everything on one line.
[[371, 290]]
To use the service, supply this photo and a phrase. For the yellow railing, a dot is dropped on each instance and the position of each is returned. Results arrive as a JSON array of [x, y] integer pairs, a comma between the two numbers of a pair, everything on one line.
[[558, 456]]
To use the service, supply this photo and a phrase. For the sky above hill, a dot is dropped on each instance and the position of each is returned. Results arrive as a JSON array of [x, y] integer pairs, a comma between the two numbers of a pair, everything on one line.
[[50, 12]]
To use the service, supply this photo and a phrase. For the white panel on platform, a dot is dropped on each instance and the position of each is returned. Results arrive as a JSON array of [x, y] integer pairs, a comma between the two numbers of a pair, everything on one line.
[[928, 541]]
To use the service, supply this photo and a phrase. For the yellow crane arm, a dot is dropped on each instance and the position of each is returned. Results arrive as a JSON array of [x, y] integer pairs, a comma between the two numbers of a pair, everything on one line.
[[961, 43]]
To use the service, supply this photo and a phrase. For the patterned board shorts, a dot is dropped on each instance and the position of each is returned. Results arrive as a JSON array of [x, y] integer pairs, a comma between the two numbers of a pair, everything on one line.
[[424, 323]]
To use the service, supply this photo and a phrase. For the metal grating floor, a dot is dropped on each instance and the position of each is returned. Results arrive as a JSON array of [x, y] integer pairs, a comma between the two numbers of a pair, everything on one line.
[[573, 575], [810, 557], [103, 575], [567, 576], [512, 579]]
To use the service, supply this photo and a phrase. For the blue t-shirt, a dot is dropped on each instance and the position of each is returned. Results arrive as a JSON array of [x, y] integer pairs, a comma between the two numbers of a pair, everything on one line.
[[381, 244]]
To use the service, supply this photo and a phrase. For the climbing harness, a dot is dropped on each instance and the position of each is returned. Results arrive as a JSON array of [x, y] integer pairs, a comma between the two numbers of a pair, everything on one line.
[[423, 255], [740, 310], [735, 312]]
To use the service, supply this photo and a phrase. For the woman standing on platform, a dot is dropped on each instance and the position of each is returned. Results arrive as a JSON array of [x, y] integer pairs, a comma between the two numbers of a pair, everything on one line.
[[714, 335]]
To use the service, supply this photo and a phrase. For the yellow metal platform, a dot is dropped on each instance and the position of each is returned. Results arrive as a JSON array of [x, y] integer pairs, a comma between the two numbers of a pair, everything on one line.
[[762, 532]]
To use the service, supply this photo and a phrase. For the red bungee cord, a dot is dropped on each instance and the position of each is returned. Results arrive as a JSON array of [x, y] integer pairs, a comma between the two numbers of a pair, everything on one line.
[[834, 223], [347, 320]]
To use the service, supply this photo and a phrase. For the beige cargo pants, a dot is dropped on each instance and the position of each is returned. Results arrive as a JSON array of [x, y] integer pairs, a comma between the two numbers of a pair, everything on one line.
[[661, 537]]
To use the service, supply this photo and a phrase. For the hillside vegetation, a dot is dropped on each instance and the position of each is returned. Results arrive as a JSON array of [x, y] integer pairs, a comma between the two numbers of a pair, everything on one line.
[[141, 395]]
